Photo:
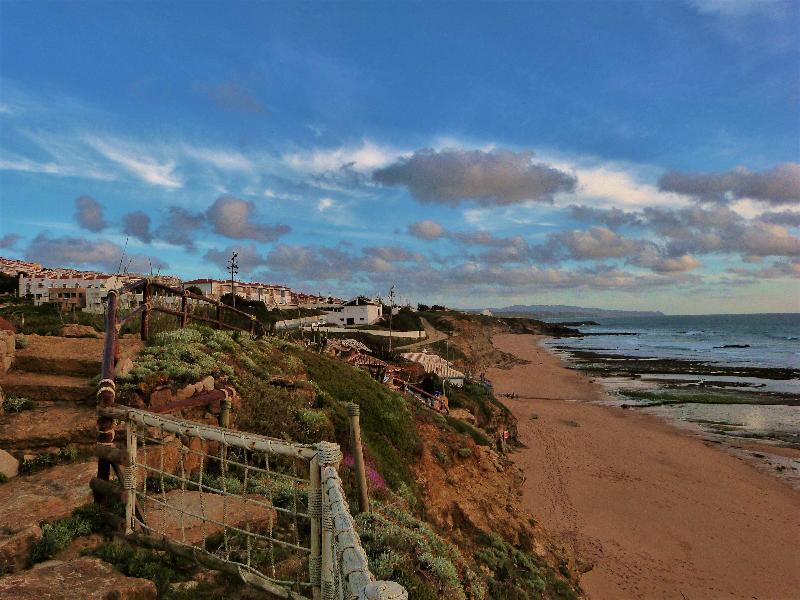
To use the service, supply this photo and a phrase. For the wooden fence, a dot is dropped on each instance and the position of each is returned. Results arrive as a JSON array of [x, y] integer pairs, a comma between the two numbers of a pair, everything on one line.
[[326, 544]]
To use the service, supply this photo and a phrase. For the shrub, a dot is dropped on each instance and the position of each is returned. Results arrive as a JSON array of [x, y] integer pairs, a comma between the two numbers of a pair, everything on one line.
[[47, 459], [20, 342], [404, 549], [16, 404], [465, 452], [58, 535]]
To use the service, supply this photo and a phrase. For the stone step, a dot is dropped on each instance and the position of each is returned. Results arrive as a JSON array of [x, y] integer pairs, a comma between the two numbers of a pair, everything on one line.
[[54, 388], [85, 578], [77, 367], [29, 500], [68, 356], [60, 425]]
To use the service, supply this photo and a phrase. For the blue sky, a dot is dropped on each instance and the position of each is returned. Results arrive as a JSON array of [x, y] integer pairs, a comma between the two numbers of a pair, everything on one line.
[[618, 154]]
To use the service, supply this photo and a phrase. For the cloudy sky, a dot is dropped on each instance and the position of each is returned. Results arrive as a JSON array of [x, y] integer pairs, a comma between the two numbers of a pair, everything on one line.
[[616, 154]]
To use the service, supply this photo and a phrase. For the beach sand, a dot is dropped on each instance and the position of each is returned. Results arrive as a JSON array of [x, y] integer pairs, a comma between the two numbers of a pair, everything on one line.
[[657, 512]]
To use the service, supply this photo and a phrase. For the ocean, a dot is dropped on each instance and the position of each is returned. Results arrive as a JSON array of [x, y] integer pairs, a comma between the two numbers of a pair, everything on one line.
[[764, 340]]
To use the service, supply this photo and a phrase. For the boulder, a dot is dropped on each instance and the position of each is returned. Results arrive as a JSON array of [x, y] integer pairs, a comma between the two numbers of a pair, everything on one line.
[[79, 331], [160, 397], [85, 578], [9, 466], [28, 500], [207, 384], [124, 366], [16, 546]]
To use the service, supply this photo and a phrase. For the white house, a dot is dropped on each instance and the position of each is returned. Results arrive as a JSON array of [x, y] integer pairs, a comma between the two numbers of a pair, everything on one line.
[[359, 311]]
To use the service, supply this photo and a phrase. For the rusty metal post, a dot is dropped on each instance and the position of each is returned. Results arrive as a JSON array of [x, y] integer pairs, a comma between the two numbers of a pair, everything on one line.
[[146, 311], [353, 411], [106, 393], [184, 310]]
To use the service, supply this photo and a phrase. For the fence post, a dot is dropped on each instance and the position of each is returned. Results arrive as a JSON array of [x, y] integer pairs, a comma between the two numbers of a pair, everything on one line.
[[353, 411], [225, 410], [219, 315], [146, 311], [130, 479], [315, 510], [184, 310], [106, 393]]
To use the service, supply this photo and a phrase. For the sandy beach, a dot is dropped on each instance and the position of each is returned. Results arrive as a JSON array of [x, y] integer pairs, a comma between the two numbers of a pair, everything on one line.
[[655, 512]]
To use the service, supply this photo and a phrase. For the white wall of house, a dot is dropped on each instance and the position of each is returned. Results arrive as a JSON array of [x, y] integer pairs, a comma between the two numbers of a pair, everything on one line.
[[361, 314]]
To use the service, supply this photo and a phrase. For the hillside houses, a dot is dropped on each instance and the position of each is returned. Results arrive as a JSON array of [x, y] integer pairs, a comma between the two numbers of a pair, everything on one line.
[[270, 294]]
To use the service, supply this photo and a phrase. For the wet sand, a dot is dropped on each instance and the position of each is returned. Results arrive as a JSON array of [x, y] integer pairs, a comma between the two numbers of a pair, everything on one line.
[[656, 512]]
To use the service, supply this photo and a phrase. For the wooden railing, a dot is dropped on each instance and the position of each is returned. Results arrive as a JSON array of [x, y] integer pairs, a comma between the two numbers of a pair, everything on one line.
[[336, 564], [106, 394]]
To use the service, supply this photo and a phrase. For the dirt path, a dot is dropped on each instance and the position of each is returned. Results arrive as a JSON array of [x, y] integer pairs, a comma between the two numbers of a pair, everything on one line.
[[433, 335], [657, 512]]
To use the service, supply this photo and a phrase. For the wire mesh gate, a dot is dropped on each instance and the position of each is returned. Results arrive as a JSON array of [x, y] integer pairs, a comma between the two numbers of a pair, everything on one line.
[[271, 511]]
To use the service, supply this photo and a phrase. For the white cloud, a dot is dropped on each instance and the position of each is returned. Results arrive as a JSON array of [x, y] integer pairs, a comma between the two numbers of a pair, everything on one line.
[[325, 203], [137, 163], [366, 157]]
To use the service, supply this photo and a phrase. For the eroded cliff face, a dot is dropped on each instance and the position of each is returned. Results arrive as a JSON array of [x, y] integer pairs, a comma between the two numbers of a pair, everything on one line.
[[471, 494]]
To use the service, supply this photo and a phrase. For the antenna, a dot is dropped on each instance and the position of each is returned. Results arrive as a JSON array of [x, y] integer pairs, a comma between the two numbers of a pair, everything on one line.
[[122, 257], [233, 267], [391, 311]]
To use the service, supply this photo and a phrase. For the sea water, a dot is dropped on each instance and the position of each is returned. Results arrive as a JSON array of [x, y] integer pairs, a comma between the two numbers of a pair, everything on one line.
[[754, 340]]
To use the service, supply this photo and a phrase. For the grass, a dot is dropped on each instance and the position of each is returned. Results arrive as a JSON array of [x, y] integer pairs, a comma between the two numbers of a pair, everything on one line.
[[462, 427], [387, 422], [15, 404], [47, 459]]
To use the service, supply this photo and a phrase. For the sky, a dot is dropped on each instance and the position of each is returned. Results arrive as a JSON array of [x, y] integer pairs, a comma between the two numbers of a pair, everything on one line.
[[631, 155]]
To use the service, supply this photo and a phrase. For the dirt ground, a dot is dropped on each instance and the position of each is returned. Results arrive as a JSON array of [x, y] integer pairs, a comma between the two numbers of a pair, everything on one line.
[[652, 511]]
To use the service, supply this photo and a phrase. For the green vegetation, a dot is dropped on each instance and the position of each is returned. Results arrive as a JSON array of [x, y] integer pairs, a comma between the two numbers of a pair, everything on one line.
[[20, 342], [266, 316], [462, 427], [387, 423], [8, 284], [446, 350], [182, 356], [15, 404], [58, 535], [404, 549], [47, 319], [47, 459], [479, 401], [518, 574]]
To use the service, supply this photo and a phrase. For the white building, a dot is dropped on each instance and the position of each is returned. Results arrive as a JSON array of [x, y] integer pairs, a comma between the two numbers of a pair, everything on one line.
[[86, 291], [359, 311]]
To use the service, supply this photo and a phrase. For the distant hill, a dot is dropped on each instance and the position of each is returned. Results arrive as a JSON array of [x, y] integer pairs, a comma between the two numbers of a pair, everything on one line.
[[562, 311]]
